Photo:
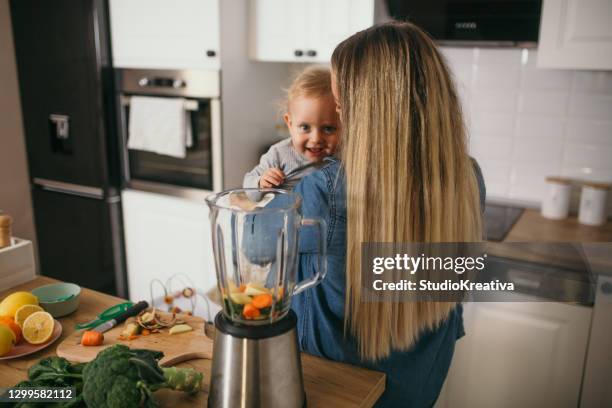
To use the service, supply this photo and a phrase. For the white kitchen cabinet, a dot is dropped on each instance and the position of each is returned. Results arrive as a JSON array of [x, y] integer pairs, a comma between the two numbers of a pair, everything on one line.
[[304, 31], [277, 29], [518, 354], [166, 235], [164, 34], [576, 34], [596, 389]]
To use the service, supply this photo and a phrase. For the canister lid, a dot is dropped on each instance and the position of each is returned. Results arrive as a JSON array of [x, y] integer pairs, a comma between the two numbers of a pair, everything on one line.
[[595, 185], [558, 180], [5, 220]]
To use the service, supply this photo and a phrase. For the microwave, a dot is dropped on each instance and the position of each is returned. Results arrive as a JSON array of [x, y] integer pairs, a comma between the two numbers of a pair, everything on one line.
[[473, 22]]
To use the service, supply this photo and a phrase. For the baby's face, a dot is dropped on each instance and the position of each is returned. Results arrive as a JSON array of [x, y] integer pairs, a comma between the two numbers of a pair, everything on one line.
[[313, 124]]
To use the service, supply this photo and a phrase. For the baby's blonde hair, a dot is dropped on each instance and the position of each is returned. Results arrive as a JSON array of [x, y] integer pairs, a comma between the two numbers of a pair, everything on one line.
[[313, 82]]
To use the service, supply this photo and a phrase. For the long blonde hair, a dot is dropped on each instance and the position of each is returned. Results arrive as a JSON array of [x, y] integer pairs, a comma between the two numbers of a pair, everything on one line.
[[409, 177]]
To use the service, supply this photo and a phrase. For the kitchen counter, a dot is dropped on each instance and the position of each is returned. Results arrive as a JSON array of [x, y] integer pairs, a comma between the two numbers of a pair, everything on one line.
[[531, 227], [327, 383]]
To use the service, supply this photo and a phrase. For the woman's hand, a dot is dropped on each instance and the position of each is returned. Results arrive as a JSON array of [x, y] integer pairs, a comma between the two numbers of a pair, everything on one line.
[[273, 177]]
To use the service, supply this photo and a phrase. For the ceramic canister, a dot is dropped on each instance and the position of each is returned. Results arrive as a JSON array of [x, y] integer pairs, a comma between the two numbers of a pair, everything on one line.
[[556, 203], [593, 209]]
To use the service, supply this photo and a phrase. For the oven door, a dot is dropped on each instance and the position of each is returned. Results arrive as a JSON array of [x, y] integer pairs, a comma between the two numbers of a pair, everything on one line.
[[200, 169]]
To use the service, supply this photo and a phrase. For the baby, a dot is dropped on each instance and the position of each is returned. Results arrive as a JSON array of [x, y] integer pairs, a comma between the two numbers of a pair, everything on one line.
[[313, 124]]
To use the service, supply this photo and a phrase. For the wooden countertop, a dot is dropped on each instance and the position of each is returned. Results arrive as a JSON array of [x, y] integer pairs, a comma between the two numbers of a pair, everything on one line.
[[531, 227], [327, 383]]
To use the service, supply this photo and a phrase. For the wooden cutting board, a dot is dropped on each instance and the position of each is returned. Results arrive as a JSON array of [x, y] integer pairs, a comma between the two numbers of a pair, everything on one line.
[[176, 348]]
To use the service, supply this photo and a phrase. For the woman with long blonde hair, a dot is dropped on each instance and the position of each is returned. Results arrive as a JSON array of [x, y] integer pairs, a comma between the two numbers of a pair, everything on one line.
[[404, 176]]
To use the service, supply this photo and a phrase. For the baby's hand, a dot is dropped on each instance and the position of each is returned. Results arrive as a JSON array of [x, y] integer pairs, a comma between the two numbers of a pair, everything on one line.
[[272, 178]]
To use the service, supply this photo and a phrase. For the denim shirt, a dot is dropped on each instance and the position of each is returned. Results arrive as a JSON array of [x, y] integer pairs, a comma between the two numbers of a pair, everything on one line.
[[414, 377]]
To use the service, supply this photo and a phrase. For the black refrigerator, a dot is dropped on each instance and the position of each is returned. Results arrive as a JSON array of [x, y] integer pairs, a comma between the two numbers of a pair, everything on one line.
[[64, 67]]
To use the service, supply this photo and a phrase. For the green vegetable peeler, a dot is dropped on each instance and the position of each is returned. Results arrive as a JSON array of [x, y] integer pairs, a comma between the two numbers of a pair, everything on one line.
[[105, 316]]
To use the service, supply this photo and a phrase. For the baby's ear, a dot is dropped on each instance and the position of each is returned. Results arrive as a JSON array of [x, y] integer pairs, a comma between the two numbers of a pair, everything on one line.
[[287, 119]]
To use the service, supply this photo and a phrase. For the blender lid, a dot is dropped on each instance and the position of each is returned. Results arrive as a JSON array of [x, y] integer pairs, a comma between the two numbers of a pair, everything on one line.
[[227, 326], [254, 200]]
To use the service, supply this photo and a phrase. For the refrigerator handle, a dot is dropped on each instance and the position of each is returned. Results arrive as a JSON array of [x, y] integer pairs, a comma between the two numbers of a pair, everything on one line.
[[69, 188]]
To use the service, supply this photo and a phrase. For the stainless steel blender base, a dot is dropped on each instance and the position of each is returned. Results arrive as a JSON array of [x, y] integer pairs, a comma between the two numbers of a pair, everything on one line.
[[256, 366]]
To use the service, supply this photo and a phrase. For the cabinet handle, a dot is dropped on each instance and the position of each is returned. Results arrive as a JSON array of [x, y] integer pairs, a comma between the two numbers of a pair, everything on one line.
[[161, 82], [210, 53], [298, 53], [311, 53]]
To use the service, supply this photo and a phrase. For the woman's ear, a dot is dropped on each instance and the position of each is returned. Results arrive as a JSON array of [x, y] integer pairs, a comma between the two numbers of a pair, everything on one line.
[[287, 119]]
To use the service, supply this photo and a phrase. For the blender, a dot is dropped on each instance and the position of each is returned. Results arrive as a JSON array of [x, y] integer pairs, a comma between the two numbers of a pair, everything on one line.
[[256, 358]]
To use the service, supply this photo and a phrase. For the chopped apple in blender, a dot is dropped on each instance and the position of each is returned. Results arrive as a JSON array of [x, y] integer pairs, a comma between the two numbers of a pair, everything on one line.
[[240, 298], [231, 286], [253, 289]]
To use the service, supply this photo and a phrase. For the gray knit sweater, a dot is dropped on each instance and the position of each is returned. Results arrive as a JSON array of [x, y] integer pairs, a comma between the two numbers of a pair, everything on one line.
[[283, 156]]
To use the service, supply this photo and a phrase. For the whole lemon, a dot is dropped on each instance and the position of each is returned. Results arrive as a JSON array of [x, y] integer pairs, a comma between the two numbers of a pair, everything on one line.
[[14, 301], [7, 339]]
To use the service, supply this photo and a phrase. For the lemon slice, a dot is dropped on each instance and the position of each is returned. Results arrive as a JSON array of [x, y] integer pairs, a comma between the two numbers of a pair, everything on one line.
[[38, 327], [24, 311]]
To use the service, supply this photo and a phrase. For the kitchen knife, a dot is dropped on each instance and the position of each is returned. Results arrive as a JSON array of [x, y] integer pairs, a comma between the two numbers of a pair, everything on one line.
[[132, 311]]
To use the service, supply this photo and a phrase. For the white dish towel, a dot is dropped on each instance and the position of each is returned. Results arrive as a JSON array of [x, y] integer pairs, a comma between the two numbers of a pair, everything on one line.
[[159, 125]]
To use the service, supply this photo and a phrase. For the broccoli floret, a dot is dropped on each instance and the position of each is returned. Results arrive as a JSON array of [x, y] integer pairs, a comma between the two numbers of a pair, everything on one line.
[[120, 377], [182, 379], [110, 380]]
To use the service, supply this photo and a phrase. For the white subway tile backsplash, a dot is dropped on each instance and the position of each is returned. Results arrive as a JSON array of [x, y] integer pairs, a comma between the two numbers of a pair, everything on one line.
[[544, 102], [581, 130], [463, 92], [534, 78], [591, 105], [590, 81], [532, 191], [496, 77], [462, 80], [586, 155], [541, 150], [529, 58], [494, 101], [458, 56], [466, 107], [538, 126], [495, 171], [491, 124], [527, 123], [489, 148], [507, 57], [495, 189], [528, 181], [460, 63]]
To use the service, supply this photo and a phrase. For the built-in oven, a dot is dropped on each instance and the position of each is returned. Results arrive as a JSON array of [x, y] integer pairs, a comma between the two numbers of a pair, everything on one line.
[[200, 170]]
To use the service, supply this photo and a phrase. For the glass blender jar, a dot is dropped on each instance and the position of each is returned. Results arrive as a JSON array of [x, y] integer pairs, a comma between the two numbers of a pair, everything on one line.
[[255, 244]]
